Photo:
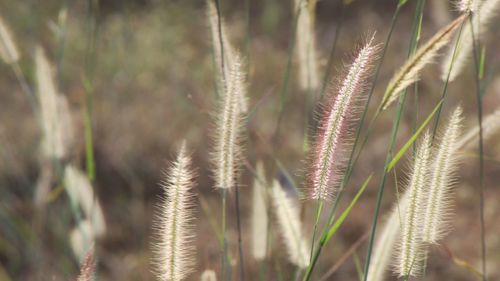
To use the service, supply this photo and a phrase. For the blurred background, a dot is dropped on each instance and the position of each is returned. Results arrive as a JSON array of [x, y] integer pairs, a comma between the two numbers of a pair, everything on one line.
[[141, 73]]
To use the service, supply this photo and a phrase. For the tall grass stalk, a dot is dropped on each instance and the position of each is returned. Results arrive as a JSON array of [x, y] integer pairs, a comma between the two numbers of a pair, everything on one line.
[[392, 141], [477, 78]]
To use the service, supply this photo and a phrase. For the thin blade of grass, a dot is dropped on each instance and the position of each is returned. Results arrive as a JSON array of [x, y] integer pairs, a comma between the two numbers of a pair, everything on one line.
[[412, 139], [346, 212]]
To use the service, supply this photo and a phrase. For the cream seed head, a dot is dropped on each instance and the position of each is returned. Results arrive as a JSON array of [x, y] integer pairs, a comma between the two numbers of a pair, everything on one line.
[[444, 167], [228, 146], [174, 250], [224, 54], [54, 114], [287, 214], [409, 72], [411, 250], [8, 50], [259, 214], [339, 111], [309, 77], [460, 54]]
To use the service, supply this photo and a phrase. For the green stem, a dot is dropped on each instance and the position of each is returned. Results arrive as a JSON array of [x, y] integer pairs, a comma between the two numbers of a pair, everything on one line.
[[481, 149], [395, 127]]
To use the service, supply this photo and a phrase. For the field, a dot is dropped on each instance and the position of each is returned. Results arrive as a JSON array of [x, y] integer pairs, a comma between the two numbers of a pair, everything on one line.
[[98, 97]]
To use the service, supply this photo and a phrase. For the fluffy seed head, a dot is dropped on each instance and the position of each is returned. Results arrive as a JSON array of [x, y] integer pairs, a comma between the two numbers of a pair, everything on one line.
[[468, 6], [81, 237], [409, 72], [174, 250], [411, 250], [490, 124], [222, 48], [55, 117], [383, 252], [208, 275], [309, 77], [8, 49], [228, 146], [442, 181], [259, 214], [339, 111], [460, 57], [81, 194], [287, 214]]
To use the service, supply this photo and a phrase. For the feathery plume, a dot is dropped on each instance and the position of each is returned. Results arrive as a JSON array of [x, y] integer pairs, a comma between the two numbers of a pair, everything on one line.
[[408, 73], [259, 214], [227, 50], [81, 238], [287, 213], [442, 181], [490, 124], [81, 193], [54, 111], [174, 252], [8, 49], [460, 57], [339, 110], [208, 275], [309, 78], [383, 252], [228, 145], [411, 250], [468, 6], [87, 269]]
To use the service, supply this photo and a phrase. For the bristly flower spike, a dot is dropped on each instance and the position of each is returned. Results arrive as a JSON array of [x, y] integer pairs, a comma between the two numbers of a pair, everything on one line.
[[8, 50], [411, 250], [462, 52], [174, 250], [383, 252], [339, 111], [409, 72], [309, 78], [468, 6], [230, 117], [287, 214], [224, 53], [259, 214], [442, 181]]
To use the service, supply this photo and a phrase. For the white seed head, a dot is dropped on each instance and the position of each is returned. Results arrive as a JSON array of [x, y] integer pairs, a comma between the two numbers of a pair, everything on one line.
[[174, 250], [228, 147], [411, 250], [309, 77], [444, 167], [327, 155], [81, 194], [81, 238], [468, 6], [208, 275], [55, 117], [387, 241], [490, 125], [222, 47], [464, 47], [287, 214], [409, 72], [259, 214], [8, 49]]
